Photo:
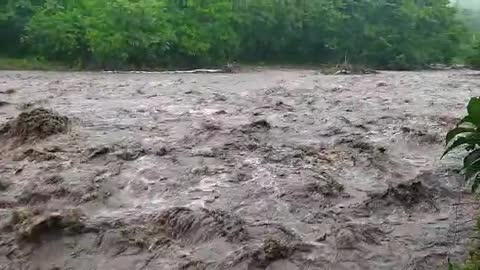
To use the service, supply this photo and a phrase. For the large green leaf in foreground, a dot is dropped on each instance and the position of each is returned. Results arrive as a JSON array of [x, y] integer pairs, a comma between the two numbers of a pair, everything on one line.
[[467, 134]]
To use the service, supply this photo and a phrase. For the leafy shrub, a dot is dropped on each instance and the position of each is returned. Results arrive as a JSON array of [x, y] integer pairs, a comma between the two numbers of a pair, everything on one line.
[[398, 34], [14, 16], [57, 34], [474, 59], [467, 134], [203, 33], [122, 32]]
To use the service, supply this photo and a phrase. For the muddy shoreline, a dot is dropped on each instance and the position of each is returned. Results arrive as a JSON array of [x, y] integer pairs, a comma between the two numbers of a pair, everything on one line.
[[274, 169]]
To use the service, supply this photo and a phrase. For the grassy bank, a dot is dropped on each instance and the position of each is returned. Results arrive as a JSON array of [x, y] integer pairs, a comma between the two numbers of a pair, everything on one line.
[[7, 63]]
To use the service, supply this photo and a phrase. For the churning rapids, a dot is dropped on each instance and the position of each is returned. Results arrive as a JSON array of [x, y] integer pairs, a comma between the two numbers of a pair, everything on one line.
[[272, 169]]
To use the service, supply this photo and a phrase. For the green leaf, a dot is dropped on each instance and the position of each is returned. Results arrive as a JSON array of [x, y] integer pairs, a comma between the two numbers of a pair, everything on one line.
[[473, 109], [471, 158], [470, 140], [457, 131], [467, 121], [471, 171]]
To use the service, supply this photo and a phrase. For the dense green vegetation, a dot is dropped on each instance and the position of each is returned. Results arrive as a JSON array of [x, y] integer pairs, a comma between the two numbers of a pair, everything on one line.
[[163, 33], [471, 18], [474, 58], [469, 14]]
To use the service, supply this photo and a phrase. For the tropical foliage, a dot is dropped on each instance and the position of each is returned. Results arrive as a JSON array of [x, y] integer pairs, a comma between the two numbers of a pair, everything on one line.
[[467, 135], [474, 58], [469, 14], [146, 33]]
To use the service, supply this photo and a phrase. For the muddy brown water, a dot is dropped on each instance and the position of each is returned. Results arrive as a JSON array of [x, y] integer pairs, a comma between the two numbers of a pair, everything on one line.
[[274, 169]]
